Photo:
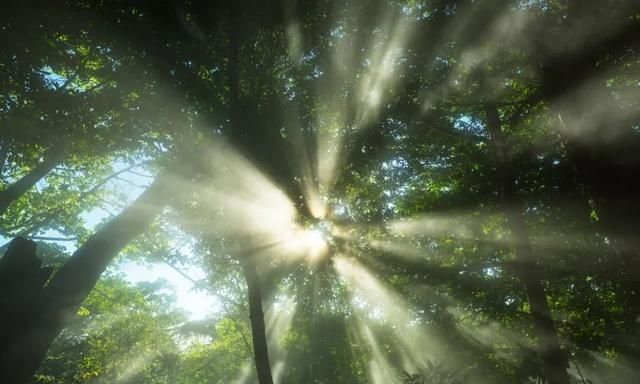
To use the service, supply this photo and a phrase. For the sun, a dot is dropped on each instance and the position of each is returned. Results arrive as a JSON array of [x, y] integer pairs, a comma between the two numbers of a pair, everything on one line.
[[316, 241]]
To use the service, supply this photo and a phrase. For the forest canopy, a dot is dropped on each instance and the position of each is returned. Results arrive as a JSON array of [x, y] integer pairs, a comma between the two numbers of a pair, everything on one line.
[[411, 192]]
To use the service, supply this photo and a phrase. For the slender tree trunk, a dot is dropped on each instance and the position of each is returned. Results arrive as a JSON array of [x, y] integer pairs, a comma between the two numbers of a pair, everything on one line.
[[68, 288], [256, 315], [554, 359], [17, 189]]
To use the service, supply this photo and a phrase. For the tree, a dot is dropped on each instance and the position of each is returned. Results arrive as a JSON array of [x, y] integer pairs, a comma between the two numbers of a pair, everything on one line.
[[71, 284], [373, 184]]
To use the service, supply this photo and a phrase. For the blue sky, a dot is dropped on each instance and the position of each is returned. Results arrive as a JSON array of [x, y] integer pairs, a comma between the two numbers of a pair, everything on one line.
[[197, 303]]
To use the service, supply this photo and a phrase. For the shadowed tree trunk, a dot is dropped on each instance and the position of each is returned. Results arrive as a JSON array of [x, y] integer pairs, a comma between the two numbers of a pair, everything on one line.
[[23, 352], [249, 269], [554, 359], [21, 281], [26, 182], [256, 315]]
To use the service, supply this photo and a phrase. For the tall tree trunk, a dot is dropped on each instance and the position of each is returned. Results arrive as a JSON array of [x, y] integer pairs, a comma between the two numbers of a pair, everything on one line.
[[17, 189], [256, 315], [554, 359], [69, 287]]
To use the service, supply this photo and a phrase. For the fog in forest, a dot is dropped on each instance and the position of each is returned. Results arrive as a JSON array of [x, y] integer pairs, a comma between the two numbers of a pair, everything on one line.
[[320, 192]]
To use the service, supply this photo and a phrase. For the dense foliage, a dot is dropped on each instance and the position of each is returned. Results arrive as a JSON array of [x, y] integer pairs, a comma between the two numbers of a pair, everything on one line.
[[436, 191]]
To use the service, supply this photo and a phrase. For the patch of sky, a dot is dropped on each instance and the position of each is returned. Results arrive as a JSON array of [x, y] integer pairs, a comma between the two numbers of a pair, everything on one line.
[[402, 190], [491, 271], [130, 183], [528, 4], [309, 56], [53, 80], [340, 209], [289, 88], [435, 162], [337, 32], [467, 124], [196, 302], [417, 10], [395, 163], [9, 102], [316, 72], [450, 9], [442, 60]]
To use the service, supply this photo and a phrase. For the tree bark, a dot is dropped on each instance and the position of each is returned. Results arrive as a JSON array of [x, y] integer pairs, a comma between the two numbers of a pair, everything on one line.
[[21, 280], [69, 287], [256, 315], [554, 359], [17, 189]]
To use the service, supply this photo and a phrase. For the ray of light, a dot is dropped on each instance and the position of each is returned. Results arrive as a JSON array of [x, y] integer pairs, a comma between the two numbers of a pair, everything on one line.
[[415, 344], [383, 66], [380, 371], [250, 205], [278, 319], [472, 227], [104, 321], [616, 369], [249, 201], [456, 224], [128, 367], [243, 203], [584, 111], [330, 141], [371, 296], [278, 370], [245, 373], [304, 244], [384, 71], [488, 333], [508, 29]]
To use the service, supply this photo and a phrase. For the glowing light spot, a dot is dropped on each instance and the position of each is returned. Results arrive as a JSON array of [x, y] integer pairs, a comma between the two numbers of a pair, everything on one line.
[[315, 238], [374, 98], [315, 244]]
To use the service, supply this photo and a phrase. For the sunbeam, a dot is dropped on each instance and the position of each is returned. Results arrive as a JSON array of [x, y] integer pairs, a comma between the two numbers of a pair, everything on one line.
[[379, 72], [423, 191], [278, 320], [379, 303], [245, 373], [380, 371]]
